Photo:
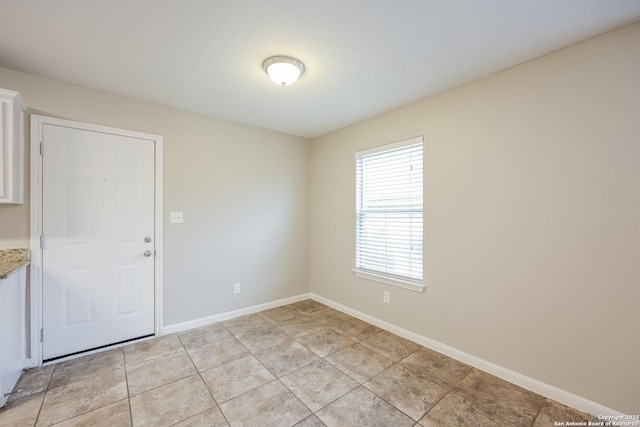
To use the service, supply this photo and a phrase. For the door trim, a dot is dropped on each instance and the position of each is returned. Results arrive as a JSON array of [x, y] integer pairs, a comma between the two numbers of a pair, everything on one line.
[[35, 319]]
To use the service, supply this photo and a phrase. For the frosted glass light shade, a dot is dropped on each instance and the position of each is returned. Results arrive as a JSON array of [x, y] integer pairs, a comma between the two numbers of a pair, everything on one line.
[[283, 70]]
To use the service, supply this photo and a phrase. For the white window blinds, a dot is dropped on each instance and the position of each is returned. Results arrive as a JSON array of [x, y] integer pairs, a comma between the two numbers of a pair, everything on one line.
[[389, 212]]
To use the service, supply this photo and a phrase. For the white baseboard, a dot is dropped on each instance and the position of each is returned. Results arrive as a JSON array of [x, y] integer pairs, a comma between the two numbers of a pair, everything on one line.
[[523, 381], [204, 321]]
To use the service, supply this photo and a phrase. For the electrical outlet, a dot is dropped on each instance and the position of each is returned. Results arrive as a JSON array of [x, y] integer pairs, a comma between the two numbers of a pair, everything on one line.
[[236, 288], [386, 297]]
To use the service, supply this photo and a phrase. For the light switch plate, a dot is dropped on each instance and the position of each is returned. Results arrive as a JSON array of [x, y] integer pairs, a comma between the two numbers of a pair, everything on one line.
[[176, 217]]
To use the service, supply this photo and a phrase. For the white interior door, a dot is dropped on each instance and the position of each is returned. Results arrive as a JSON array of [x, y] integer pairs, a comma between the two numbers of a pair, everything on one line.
[[98, 232]]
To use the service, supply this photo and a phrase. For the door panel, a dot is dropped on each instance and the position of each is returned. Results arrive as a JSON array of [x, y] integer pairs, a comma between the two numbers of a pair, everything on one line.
[[127, 291], [77, 298], [98, 207]]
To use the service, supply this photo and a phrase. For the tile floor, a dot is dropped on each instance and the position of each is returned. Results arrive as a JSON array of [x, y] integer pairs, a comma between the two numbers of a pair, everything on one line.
[[303, 364]]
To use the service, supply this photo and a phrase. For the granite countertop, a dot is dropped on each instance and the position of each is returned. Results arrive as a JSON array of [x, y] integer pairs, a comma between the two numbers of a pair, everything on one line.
[[11, 260]]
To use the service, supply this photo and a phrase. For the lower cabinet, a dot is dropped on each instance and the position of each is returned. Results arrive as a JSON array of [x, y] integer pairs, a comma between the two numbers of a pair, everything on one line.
[[12, 330]]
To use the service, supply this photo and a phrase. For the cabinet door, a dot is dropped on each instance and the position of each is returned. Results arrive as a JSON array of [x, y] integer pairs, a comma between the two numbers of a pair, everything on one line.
[[12, 329], [11, 147]]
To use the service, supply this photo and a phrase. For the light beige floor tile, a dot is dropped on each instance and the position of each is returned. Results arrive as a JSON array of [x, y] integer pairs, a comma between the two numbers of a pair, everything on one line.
[[436, 367], [160, 371], [32, 381], [262, 339], [406, 391], [204, 335], [217, 353], [553, 412], [166, 390], [86, 366], [454, 411], [307, 307], [151, 349], [330, 317], [279, 314], [324, 342], [504, 399], [210, 418], [318, 384], [80, 397], [359, 362], [312, 421], [21, 412], [356, 329], [114, 415], [244, 324], [361, 407], [171, 403], [234, 378], [268, 405], [286, 358], [300, 326], [390, 345]]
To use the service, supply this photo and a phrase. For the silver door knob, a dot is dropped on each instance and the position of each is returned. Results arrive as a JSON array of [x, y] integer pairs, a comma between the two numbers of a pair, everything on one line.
[[148, 253], [147, 239]]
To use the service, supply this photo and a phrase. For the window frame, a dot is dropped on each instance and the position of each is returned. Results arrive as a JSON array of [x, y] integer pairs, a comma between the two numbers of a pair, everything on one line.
[[375, 275]]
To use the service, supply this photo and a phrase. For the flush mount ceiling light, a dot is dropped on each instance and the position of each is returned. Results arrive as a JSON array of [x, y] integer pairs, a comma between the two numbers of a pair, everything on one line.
[[283, 70]]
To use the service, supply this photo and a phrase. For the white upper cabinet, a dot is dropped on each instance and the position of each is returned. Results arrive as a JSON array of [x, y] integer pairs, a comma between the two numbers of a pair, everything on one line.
[[12, 108]]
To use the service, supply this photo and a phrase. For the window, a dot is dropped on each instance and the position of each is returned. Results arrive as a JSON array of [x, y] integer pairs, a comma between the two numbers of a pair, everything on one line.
[[389, 214]]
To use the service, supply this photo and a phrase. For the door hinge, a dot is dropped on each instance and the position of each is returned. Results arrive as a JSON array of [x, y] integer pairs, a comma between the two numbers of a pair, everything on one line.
[[42, 242], [41, 334], [42, 148]]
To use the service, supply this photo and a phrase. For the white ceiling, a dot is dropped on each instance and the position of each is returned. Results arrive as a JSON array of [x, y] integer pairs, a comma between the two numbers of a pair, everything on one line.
[[363, 57]]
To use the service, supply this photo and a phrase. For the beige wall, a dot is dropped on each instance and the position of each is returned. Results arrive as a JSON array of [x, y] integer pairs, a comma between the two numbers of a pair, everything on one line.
[[532, 219], [243, 190]]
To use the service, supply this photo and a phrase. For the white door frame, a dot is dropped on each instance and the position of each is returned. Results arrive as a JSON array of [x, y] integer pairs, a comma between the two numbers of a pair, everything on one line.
[[37, 122]]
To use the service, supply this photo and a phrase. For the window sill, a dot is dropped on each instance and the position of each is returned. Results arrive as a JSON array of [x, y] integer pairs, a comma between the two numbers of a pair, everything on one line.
[[389, 280]]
